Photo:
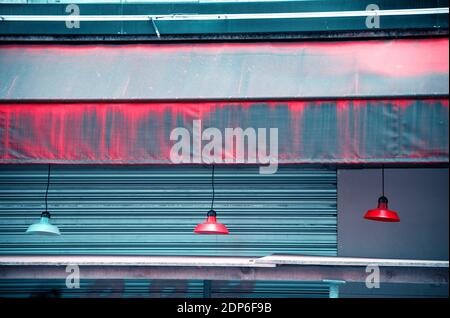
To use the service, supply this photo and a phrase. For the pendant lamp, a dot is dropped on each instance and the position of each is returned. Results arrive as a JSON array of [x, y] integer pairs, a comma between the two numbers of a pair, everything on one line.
[[382, 212], [44, 227], [211, 226]]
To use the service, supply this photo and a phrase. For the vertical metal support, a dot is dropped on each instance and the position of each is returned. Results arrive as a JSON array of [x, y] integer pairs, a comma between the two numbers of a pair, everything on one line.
[[334, 291], [334, 287], [207, 289], [155, 27]]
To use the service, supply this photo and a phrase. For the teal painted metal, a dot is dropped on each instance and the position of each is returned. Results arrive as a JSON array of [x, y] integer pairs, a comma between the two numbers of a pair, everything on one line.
[[152, 210], [220, 26], [334, 287]]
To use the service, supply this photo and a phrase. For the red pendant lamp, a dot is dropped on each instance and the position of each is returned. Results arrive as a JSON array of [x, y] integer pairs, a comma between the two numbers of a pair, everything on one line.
[[211, 226], [382, 212]]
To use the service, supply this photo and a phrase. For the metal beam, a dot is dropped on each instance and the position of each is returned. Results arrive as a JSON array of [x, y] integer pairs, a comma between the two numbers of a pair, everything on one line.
[[281, 273], [266, 261], [134, 261], [347, 261], [275, 267], [117, 38]]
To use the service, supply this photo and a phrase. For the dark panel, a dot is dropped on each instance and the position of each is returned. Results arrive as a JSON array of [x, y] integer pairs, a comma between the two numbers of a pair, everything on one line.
[[420, 196]]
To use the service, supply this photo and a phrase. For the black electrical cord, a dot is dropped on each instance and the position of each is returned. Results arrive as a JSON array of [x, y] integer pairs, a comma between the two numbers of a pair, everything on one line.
[[46, 191], [382, 180], [213, 190]]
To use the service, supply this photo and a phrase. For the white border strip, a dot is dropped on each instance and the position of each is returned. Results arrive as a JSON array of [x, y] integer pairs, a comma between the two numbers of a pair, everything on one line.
[[240, 16], [347, 261], [266, 261], [108, 260]]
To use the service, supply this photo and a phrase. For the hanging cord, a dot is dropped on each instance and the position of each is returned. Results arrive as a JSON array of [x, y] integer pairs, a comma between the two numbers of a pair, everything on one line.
[[213, 190], [382, 180], [46, 191]]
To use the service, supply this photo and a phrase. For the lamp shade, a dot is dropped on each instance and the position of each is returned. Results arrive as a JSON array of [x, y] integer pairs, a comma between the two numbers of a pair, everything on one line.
[[382, 212], [43, 227], [211, 226]]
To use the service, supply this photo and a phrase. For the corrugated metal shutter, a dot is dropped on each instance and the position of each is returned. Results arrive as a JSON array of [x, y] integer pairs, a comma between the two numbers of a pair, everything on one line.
[[152, 210]]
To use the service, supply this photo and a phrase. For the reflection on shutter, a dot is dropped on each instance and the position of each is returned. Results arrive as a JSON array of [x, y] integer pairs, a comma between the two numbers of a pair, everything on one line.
[[142, 288], [152, 210]]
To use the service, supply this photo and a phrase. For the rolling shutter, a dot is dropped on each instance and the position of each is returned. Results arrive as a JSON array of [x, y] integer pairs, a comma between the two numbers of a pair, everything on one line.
[[152, 210]]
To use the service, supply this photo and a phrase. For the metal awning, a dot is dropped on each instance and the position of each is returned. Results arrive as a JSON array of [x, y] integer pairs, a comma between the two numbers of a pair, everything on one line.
[[308, 132], [225, 71], [383, 101]]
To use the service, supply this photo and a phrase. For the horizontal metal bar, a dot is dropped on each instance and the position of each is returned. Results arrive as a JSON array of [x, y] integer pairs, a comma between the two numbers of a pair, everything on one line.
[[429, 96], [130, 261], [266, 261], [328, 35], [238, 16], [347, 261], [416, 275]]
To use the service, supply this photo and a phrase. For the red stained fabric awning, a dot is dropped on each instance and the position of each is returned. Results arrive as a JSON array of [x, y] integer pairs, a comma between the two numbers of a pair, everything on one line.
[[198, 71], [345, 131], [332, 102]]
